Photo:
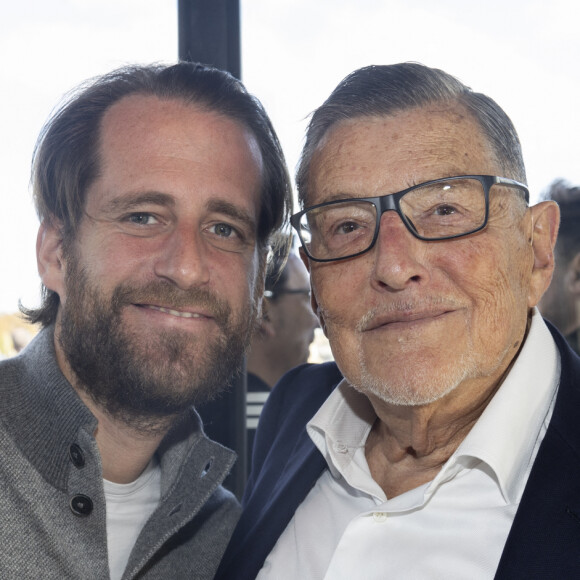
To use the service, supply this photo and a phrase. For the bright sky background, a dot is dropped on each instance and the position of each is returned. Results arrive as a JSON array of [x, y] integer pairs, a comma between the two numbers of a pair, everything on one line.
[[523, 53]]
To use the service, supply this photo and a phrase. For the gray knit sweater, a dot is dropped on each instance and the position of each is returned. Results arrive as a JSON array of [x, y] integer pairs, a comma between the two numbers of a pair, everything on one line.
[[52, 504]]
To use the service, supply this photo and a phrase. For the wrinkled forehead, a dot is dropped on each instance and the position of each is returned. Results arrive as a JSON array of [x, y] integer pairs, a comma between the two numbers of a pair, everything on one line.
[[391, 152]]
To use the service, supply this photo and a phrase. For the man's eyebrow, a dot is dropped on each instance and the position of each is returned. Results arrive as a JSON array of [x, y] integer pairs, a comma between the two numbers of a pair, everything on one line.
[[340, 196], [133, 200], [232, 210]]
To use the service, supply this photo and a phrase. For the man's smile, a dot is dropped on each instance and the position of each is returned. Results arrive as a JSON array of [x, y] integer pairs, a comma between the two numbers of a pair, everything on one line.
[[173, 312], [403, 317]]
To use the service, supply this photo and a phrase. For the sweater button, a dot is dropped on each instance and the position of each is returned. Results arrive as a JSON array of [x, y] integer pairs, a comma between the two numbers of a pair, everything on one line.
[[76, 455], [81, 505]]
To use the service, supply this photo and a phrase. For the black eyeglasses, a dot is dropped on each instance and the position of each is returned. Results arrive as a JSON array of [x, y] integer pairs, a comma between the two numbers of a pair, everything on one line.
[[441, 209]]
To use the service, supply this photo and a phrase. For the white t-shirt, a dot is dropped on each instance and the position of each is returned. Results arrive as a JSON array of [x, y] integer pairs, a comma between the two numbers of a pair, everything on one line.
[[129, 506]]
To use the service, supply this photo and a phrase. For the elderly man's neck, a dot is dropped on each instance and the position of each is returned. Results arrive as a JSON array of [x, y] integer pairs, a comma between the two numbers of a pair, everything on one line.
[[408, 445]]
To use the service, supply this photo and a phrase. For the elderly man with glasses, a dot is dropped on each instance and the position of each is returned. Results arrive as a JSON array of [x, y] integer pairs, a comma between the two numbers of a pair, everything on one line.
[[444, 442]]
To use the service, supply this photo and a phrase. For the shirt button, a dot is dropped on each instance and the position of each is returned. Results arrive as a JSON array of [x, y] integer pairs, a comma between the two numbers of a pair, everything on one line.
[[81, 505], [76, 455], [380, 517], [340, 447]]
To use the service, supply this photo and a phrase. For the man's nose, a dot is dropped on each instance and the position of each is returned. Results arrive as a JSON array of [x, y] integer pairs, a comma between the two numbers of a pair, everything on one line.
[[184, 259], [399, 257]]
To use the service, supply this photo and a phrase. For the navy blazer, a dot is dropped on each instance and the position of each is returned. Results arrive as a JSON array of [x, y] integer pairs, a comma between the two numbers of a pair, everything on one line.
[[544, 541]]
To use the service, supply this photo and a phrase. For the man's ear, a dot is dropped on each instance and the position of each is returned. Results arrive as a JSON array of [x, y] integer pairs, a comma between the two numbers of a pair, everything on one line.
[[49, 259], [542, 237], [267, 328], [313, 301], [572, 277]]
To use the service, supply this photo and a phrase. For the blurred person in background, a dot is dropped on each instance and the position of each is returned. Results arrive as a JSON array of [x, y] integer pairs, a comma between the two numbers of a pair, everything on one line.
[[561, 302], [284, 335]]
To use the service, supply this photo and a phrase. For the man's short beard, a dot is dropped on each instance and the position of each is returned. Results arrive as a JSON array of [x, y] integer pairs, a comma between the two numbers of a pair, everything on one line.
[[413, 385], [143, 381]]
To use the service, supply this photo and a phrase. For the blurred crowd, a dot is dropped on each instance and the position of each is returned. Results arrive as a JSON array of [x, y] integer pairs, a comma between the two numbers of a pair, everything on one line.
[[15, 334]]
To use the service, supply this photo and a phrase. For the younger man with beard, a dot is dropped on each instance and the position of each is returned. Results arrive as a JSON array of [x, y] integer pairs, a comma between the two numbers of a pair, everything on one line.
[[157, 189]]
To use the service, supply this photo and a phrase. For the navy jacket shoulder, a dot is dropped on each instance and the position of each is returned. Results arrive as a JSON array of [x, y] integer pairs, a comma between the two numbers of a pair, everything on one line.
[[544, 541], [283, 454], [292, 403]]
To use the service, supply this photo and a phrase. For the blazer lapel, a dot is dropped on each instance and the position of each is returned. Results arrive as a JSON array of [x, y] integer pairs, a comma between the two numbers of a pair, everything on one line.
[[544, 541], [274, 500], [302, 470]]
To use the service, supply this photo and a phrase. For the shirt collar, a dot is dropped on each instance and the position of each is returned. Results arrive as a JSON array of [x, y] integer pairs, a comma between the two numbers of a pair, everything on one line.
[[506, 436], [508, 433]]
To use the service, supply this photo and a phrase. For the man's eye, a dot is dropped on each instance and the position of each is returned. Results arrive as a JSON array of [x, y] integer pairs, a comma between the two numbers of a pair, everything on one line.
[[223, 230], [445, 210], [142, 219], [230, 238], [347, 228]]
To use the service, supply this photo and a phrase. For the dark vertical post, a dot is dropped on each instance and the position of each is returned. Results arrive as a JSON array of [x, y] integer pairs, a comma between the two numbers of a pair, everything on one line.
[[209, 33]]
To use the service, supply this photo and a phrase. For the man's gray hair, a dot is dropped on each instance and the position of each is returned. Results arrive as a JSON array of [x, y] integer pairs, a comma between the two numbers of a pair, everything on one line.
[[389, 89]]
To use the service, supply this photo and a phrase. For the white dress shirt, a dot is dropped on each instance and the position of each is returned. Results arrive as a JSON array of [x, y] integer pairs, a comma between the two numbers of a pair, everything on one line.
[[453, 527]]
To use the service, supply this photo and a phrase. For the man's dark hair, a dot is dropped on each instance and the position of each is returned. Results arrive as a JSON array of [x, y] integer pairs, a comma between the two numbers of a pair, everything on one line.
[[277, 274], [568, 198], [385, 90], [66, 160]]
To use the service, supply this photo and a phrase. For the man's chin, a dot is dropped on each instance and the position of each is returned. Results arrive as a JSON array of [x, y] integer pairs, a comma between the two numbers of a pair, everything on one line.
[[412, 385], [143, 372]]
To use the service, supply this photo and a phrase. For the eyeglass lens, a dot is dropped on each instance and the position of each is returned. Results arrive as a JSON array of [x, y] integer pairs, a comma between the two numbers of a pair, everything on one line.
[[432, 211]]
